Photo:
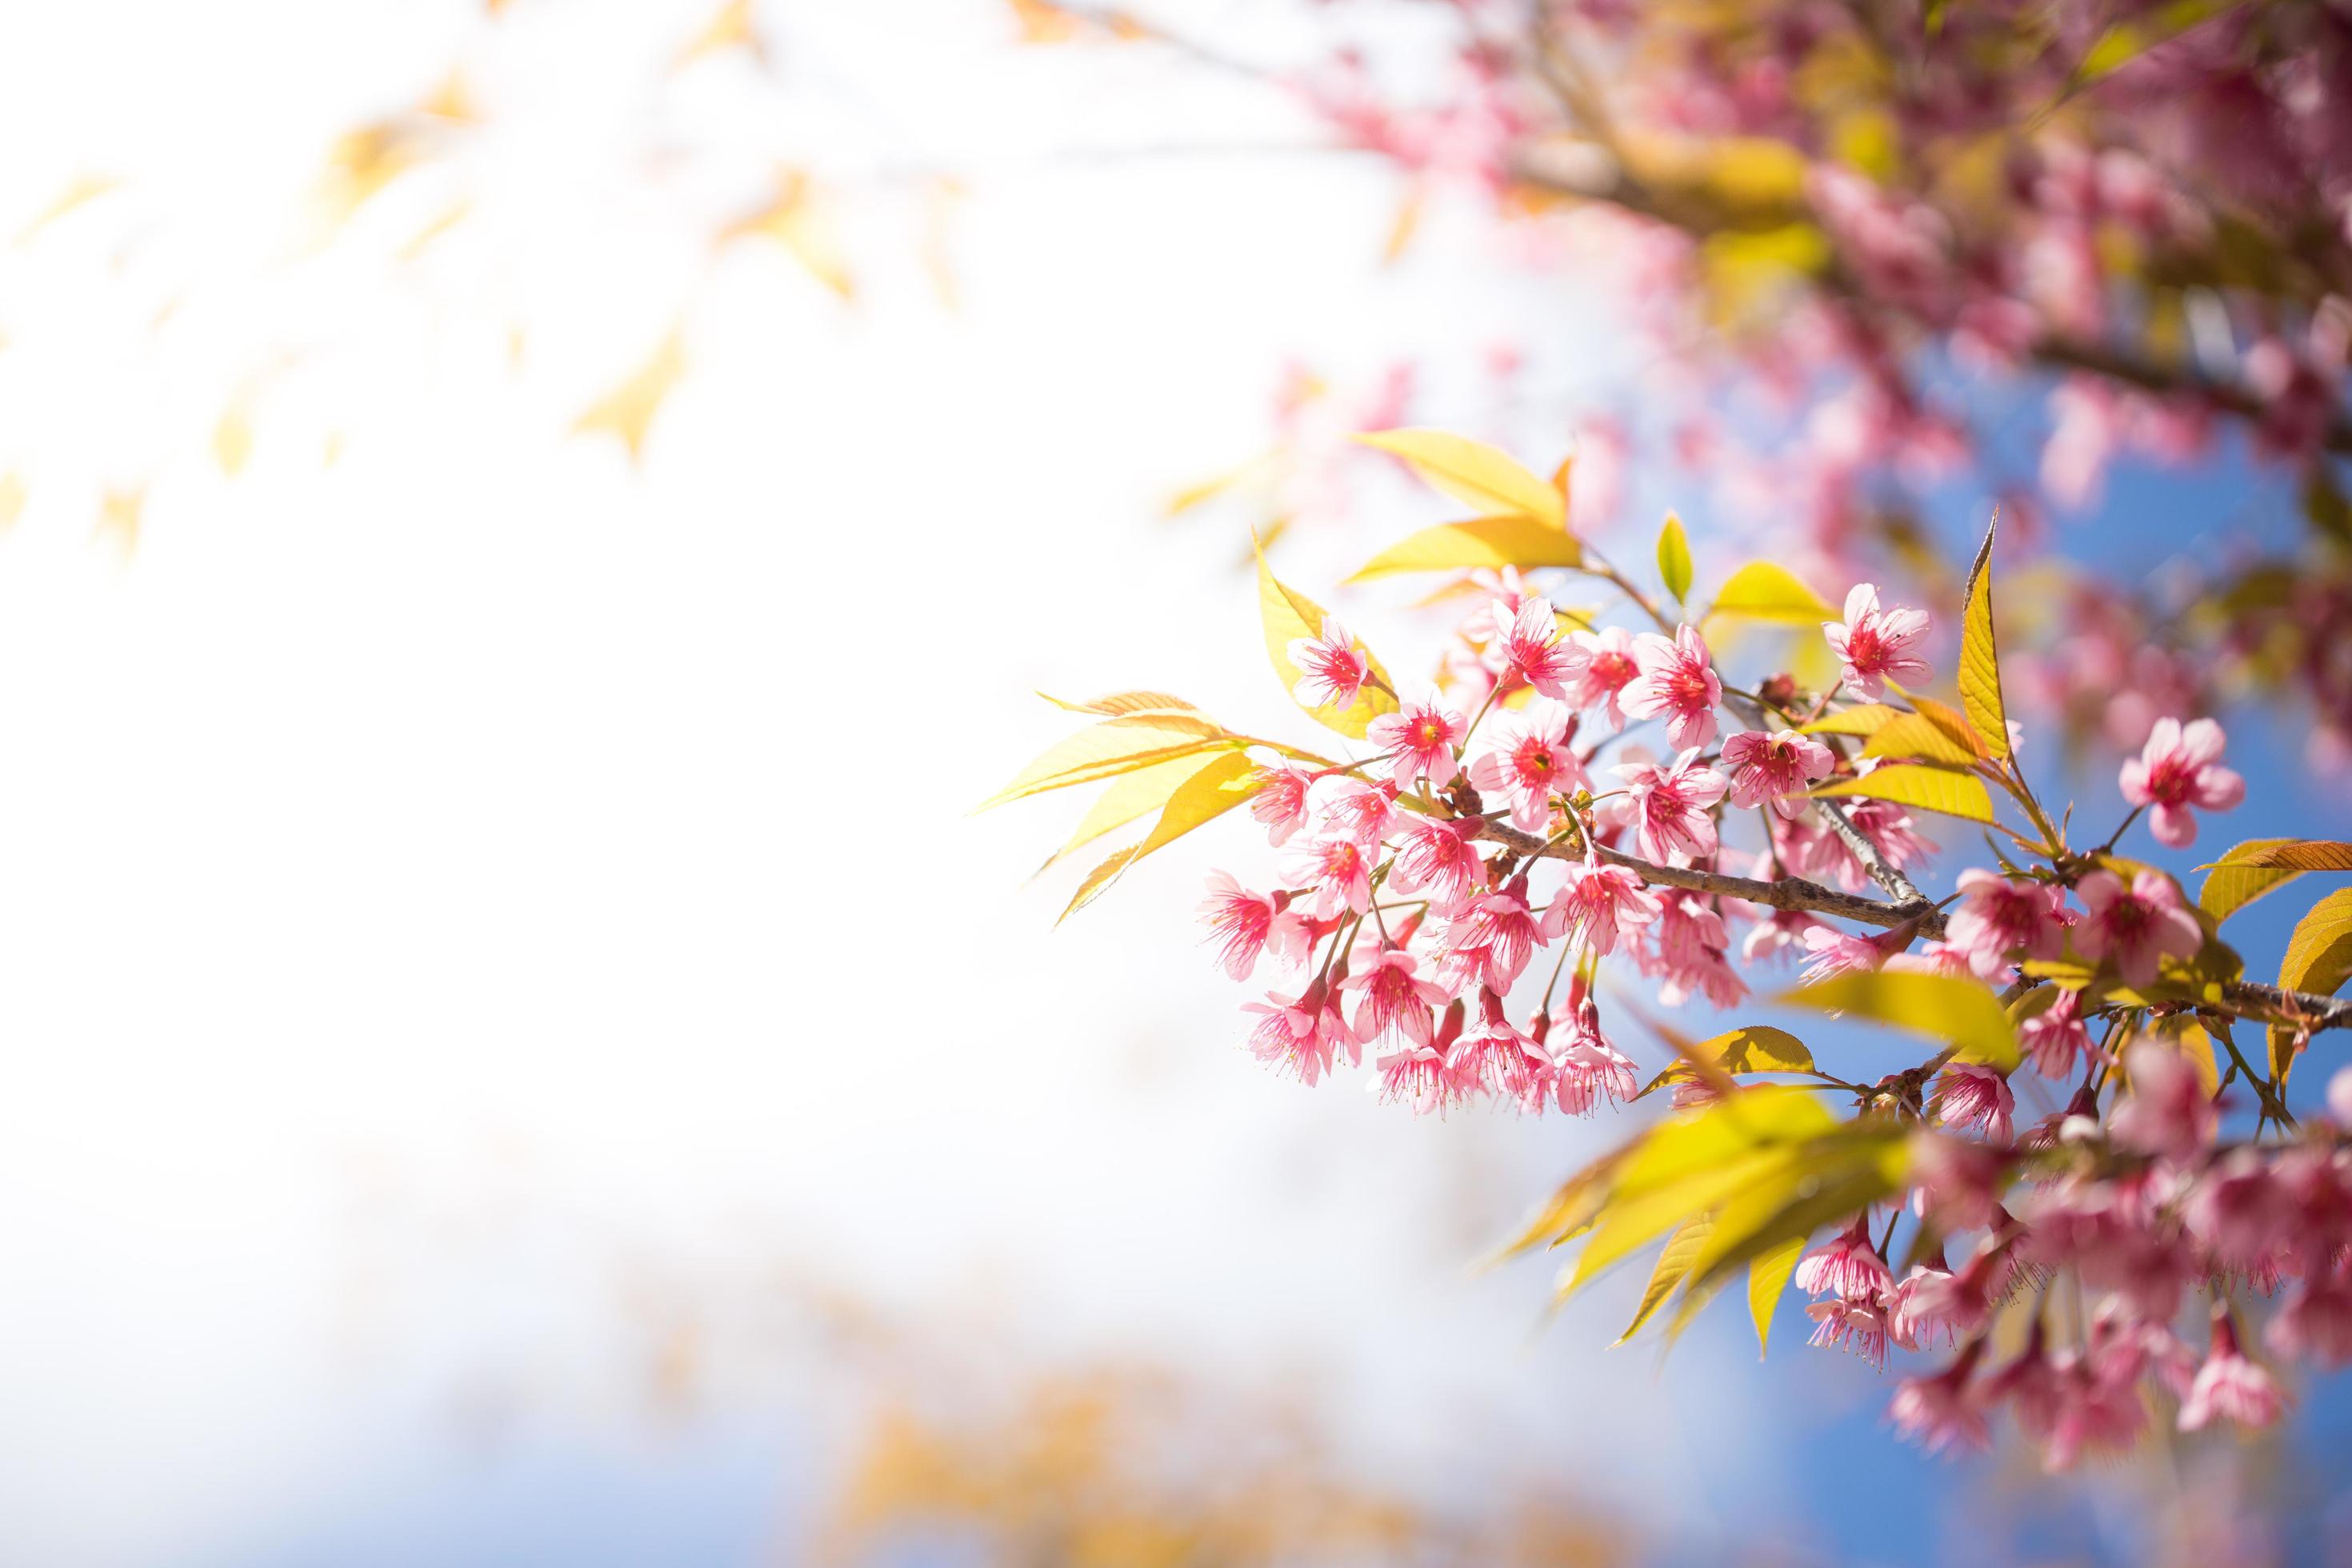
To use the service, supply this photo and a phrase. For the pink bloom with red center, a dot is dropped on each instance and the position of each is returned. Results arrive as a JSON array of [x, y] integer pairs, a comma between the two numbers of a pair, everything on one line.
[[2054, 1038], [1332, 669], [1776, 767], [1588, 1068], [1859, 1326], [1597, 903], [2168, 1110], [1395, 1001], [1601, 666], [1847, 1264], [1440, 859], [1876, 645], [1940, 1411], [1690, 939], [1294, 1036], [1492, 941], [2231, 1385], [2137, 928], [1344, 807], [1246, 924], [2000, 921], [1280, 803], [1969, 1095], [1668, 805], [1494, 1055], [1423, 734], [1531, 645], [1336, 869], [1678, 679], [1530, 762], [2178, 768], [1419, 1077]]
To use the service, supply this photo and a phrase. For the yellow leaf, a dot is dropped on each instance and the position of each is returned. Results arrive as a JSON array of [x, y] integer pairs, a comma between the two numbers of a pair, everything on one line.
[[1979, 674], [799, 217], [1964, 1014], [1752, 1048], [628, 410], [118, 516], [1119, 745], [2318, 961], [11, 498], [2296, 854], [1473, 473], [1864, 720], [1674, 1263], [1288, 615], [1569, 1211], [84, 188], [1768, 1275], [1828, 1181], [1674, 558], [1127, 797], [1761, 590], [1953, 723], [730, 28], [1913, 784], [1120, 702], [1914, 735], [1482, 541], [2239, 878], [1097, 879], [1209, 793], [233, 436]]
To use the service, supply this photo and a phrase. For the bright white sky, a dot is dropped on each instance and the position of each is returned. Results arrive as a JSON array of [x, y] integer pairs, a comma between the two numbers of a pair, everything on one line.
[[432, 880]]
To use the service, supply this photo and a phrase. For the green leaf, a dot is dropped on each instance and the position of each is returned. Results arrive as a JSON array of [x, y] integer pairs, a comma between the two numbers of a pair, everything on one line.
[[1753, 1047], [1863, 1163], [1474, 473], [2318, 961], [1979, 656], [1762, 591], [1964, 1014], [1289, 615], [1209, 793], [1675, 558], [1674, 1263], [1916, 735], [1119, 745], [1486, 541], [1768, 1275], [1913, 784]]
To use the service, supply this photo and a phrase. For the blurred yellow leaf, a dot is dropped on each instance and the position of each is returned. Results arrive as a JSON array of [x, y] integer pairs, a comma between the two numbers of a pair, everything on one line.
[[1868, 720], [119, 515], [628, 410], [1120, 702], [1764, 591], [84, 188], [799, 216], [729, 28], [12, 497], [1768, 1275], [233, 435], [1212, 791], [1114, 746], [1964, 1014], [1473, 473], [1489, 542], [1673, 1266], [1919, 785], [1674, 558]]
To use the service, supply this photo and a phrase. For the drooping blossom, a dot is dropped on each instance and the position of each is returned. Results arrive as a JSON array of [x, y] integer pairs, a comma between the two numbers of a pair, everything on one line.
[[1528, 761], [1776, 767], [1423, 734], [2316, 1320], [1941, 1412], [1858, 1326], [1441, 858], [1246, 924], [1668, 805], [2231, 1385], [1874, 645], [1490, 943], [1772, 937], [1499, 1058], [1601, 666], [1999, 920], [1677, 681], [1530, 646], [2138, 927], [1596, 903], [1690, 957], [1334, 868], [1296, 1034], [1969, 1094], [2168, 1110], [1848, 1264], [1280, 801], [1588, 1068], [1833, 952], [1343, 807], [1332, 669], [1395, 1000], [2180, 767], [2056, 1037]]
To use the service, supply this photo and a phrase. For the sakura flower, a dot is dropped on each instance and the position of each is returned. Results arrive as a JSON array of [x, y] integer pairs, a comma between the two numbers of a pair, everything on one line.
[[1596, 903], [1295, 1035], [1419, 1077], [2168, 1110], [1246, 924], [1876, 645], [1600, 666], [1941, 1412], [1529, 762], [1968, 1095], [1677, 680], [1335, 869], [1668, 805], [1772, 937], [1491, 942], [2137, 928], [1775, 767], [1332, 669], [1343, 807], [1691, 938], [1493, 1054], [1998, 920], [1441, 858], [1530, 646], [2316, 1322], [1589, 1067], [2180, 767], [1847, 1266], [2054, 1038], [1423, 734], [1395, 1002], [1280, 803], [2231, 1385], [1859, 1326], [1836, 952]]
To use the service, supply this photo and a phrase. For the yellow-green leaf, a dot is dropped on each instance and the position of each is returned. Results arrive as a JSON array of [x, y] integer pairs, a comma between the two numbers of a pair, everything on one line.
[[1675, 558], [1119, 745], [1837, 1177], [2296, 854], [1752, 1048], [1953, 723], [1473, 473], [1097, 879], [1569, 1211], [1979, 676], [1128, 796], [1674, 1263], [2239, 878], [2318, 961], [1868, 720], [1288, 615], [1964, 1014], [1914, 735], [1120, 702], [1762, 591], [1768, 1275], [1210, 792], [1928, 788], [1485, 542]]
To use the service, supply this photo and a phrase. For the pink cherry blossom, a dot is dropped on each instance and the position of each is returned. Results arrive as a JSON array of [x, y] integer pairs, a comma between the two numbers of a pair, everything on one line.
[[1343, 807], [1440, 859], [2316, 1322], [1530, 761], [1776, 767], [1600, 666], [1295, 1035], [1280, 803], [1500, 1058], [1335, 868], [2180, 767], [1530, 647], [1999, 920], [2139, 927], [1332, 669], [2168, 1110], [1847, 1266], [1419, 1077], [1246, 924], [1677, 680], [2054, 1038], [1588, 1068], [1876, 645], [1941, 1412], [1970, 1095], [1491, 942], [1835, 953], [2231, 1385], [1668, 805], [1395, 1001], [1423, 734], [1598, 902]]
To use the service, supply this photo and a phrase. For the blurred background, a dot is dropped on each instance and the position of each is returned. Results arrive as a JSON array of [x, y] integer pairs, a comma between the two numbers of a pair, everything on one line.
[[528, 526]]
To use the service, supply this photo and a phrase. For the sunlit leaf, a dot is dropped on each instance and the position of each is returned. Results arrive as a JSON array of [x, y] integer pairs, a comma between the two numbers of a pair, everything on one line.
[[1114, 746], [799, 215], [1868, 720], [1914, 735], [1486, 541], [1955, 725], [1569, 1211], [83, 188], [1674, 1264], [1127, 797], [1825, 1183], [1675, 558], [1927, 788], [628, 410], [1768, 1277], [1097, 882], [1120, 702], [1212, 791], [1964, 1014], [2239, 878], [1979, 676], [1287, 615], [732, 27], [1473, 473], [1764, 591], [1752, 1048], [2318, 961], [2295, 854]]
